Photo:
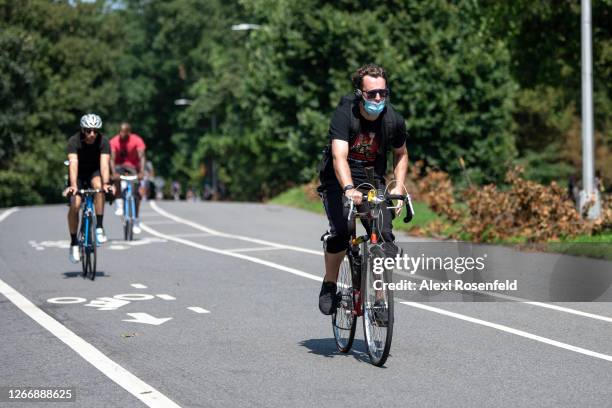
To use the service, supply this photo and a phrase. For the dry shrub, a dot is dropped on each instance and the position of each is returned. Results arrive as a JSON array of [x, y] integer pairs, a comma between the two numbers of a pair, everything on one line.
[[436, 190], [526, 209], [536, 212]]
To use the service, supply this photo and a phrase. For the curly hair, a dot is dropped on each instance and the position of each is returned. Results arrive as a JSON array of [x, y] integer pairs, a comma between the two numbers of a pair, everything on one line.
[[372, 70]]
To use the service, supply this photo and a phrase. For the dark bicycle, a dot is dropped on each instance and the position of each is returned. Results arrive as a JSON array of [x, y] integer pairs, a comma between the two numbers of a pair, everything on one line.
[[129, 205], [356, 279], [87, 237]]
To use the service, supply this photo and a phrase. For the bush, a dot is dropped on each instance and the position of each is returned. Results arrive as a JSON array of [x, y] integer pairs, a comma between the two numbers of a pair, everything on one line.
[[524, 210]]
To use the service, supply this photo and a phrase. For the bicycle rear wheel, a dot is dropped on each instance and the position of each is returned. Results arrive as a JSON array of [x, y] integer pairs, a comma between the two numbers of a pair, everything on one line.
[[344, 319], [377, 310]]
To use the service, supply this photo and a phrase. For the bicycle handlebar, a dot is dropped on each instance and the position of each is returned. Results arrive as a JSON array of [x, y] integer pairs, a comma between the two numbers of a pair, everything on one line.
[[402, 197], [128, 178]]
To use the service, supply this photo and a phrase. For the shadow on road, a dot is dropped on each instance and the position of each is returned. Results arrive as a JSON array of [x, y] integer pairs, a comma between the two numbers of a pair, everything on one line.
[[327, 348], [79, 274]]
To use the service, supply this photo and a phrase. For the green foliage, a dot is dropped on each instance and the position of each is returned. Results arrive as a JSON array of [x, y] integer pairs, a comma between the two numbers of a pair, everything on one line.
[[490, 82], [448, 78]]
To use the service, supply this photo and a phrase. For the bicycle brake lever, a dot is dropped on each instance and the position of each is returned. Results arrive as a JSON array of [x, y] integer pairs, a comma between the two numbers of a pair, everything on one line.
[[409, 210]]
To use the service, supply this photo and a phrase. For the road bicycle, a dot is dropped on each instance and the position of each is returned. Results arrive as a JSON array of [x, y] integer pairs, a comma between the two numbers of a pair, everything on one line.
[[129, 205], [87, 236], [362, 291]]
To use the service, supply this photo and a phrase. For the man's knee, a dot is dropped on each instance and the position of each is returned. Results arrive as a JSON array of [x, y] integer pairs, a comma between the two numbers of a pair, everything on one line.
[[96, 182], [335, 243]]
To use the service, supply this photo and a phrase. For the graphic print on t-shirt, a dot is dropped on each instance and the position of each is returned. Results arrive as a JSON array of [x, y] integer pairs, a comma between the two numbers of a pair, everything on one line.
[[364, 147]]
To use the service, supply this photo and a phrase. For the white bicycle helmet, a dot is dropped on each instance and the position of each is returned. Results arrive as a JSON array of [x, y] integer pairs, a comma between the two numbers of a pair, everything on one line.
[[91, 121]]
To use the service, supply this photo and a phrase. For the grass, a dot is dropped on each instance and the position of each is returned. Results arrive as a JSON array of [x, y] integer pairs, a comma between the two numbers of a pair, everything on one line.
[[296, 197], [593, 246]]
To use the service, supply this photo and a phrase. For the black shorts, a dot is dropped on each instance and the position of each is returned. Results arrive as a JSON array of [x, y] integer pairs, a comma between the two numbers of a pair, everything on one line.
[[336, 239], [84, 180]]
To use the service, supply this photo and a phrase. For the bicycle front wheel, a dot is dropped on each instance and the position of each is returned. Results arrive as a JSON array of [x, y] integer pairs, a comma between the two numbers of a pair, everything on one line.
[[92, 257], [344, 319], [82, 251], [377, 309]]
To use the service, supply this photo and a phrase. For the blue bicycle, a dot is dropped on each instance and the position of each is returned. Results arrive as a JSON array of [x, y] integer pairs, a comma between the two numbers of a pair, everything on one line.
[[129, 206], [87, 236]]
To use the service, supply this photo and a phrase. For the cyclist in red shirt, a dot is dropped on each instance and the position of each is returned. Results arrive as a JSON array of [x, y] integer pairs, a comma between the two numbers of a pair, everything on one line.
[[127, 156]]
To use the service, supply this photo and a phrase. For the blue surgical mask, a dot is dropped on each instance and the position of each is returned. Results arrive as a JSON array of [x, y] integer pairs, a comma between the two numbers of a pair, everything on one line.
[[373, 108]]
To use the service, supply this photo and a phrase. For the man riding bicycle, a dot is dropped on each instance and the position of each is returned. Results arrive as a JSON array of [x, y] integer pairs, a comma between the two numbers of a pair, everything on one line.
[[127, 157], [362, 129], [89, 161]]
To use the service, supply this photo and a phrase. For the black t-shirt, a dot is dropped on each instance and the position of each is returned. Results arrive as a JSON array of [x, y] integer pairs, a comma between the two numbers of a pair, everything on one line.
[[88, 154], [364, 146]]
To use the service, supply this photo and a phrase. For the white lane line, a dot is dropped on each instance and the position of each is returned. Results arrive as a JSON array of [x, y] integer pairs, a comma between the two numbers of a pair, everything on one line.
[[161, 222], [414, 304], [518, 299], [309, 251], [138, 286], [254, 249], [510, 330], [8, 212], [232, 254], [166, 214], [166, 297], [193, 234], [198, 309], [128, 381]]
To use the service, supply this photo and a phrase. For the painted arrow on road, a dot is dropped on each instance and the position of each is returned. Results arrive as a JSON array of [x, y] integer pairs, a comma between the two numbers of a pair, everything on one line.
[[146, 319]]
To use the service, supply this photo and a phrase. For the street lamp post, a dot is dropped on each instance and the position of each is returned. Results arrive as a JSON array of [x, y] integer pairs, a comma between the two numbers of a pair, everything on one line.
[[589, 191]]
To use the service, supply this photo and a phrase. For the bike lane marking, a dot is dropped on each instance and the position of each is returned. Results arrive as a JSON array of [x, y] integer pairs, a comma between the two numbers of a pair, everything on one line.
[[195, 225], [128, 381], [122, 377], [303, 274]]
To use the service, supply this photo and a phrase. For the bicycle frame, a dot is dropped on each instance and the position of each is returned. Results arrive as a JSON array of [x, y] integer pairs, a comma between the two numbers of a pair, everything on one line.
[[129, 203], [87, 215]]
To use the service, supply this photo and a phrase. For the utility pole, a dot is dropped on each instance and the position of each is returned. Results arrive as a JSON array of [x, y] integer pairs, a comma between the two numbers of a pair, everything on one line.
[[589, 191]]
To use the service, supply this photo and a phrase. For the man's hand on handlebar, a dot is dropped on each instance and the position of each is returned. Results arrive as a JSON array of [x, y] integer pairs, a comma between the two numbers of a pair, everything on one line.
[[140, 175], [355, 195], [109, 188], [71, 190], [398, 190]]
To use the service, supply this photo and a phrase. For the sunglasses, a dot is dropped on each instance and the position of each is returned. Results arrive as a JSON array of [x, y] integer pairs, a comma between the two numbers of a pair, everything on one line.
[[372, 93], [88, 131]]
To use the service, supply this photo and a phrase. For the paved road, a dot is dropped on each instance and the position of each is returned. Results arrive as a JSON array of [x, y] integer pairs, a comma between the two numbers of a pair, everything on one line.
[[239, 285]]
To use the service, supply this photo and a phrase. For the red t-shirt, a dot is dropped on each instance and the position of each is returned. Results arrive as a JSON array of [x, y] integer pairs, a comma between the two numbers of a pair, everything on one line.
[[126, 152]]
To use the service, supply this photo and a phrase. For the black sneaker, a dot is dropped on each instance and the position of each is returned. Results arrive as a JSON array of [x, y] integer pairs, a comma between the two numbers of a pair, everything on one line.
[[327, 298]]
